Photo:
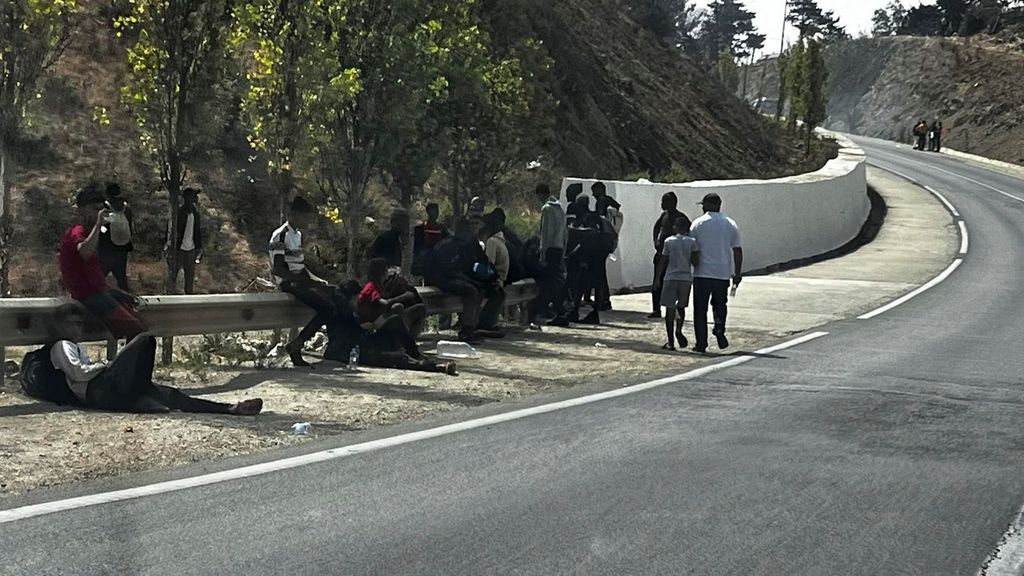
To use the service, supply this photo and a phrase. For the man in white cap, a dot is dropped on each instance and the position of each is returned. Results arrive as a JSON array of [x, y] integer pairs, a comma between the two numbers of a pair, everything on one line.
[[721, 259]]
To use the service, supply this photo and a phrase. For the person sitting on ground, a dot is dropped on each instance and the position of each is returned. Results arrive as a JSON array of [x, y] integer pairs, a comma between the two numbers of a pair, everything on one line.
[[385, 343], [674, 278], [430, 232], [373, 303], [125, 384], [389, 243], [82, 275], [288, 263]]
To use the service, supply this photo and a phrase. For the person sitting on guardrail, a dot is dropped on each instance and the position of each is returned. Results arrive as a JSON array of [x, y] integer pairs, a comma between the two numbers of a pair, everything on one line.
[[384, 343], [288, 263], [82, 275], [125, 384], [374, 301]]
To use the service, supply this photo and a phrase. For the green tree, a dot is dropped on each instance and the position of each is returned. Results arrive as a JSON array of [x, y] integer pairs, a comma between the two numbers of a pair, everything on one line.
[[175, 65], [816, 78], [728, 72], [888, 21], [752, 43], [796, 84], [33, 35], [811, 20], [673, 22], [780, 104], [725, 26]]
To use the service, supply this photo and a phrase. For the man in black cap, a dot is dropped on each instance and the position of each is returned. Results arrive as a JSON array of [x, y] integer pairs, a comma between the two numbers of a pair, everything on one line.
[[721, 259], [664, 228]]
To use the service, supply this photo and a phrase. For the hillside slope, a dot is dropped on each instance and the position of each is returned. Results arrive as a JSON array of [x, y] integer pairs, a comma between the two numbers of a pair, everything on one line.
[[881, 86], [626, 105]]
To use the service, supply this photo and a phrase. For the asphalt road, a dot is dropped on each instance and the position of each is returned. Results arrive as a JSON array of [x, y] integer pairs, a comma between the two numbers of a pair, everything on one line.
[[890, 446]]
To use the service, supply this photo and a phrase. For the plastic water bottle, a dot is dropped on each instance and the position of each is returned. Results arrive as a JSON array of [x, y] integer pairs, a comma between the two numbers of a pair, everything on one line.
[[457, 350], [353, 358]]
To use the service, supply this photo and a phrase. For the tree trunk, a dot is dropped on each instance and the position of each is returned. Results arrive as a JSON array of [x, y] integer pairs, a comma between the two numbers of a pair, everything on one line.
[[350, 251], [409, 193], [5, 220], [171, 285]]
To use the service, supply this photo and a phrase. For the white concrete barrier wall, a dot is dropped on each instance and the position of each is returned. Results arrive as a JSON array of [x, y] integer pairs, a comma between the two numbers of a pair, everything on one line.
[[780, 220]]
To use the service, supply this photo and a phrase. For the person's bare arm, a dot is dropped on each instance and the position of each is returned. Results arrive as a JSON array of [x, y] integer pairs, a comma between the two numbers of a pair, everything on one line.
[[89, 246], [737, 257]]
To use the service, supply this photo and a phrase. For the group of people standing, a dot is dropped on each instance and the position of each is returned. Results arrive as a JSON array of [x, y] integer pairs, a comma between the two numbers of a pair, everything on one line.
[[928, 137]]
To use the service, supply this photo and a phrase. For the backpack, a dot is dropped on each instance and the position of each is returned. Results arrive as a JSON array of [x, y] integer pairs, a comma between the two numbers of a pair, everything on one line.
[[120, 230], [516, 266], [40, 380], [533, 266]]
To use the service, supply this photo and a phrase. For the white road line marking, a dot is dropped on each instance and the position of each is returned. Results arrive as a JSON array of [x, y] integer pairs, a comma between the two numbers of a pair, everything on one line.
[[931, 284], [965, 242], [896, 172], [949, 205], [15, 514], [1008, 558], [961, 176]]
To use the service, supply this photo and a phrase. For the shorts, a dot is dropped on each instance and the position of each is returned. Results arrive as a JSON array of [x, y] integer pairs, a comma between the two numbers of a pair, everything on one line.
[[675, 293]]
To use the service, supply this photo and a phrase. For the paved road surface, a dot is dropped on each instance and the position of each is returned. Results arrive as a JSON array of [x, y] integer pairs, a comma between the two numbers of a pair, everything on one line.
[[891, 446]]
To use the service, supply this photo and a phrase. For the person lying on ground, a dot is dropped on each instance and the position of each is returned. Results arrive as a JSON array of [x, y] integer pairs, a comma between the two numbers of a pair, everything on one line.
[[384, 343], [125, 384], [674, 279], [82, 275], [288, 262], [373, 302]]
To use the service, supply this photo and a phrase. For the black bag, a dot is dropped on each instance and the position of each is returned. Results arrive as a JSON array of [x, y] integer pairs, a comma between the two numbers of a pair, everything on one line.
[[40, 380], [516, 266]]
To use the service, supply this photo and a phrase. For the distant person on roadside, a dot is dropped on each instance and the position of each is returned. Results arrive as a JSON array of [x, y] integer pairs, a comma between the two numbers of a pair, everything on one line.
[[125, 384], [937, 142], [384, 343], [553, 238], [389, 243], [921, 132], [373, 304], [187, 241], [82, 275], [933, 138], [430, 232], [664, 228], [721, 259], [116, 237], [674, 279], [288, 264], [608, 208]]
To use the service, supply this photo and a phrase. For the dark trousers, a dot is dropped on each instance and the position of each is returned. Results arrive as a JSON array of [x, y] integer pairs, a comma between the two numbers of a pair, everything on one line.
[[130, 377], [398, 361], [492, 310], [717, 292], [115, 262], [659, 281], [186, 263], [921, 141], [115, 310], [602, 294], [584, 276], [318, 297], [551, 283], [937, 143], [471, 297]]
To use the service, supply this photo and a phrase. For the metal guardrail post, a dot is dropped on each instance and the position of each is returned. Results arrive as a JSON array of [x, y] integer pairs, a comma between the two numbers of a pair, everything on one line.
[[3, 365]]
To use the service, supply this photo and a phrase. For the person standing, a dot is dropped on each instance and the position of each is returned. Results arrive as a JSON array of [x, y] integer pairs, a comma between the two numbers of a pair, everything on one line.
[[389, 243], [575, 211], [609, 209], [553, 237], [288, 263], [187, 240], [664, 228], [82, 275], [674, 278], [721, 259], [430, 232], [116, 237], [938, 138]]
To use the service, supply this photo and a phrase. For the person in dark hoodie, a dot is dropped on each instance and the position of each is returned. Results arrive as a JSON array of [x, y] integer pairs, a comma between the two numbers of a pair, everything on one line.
[[664, 228], [187, 241]]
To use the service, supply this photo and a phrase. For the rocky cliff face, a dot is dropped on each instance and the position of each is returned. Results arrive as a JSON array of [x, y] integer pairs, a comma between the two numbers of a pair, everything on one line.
[[881, 86]]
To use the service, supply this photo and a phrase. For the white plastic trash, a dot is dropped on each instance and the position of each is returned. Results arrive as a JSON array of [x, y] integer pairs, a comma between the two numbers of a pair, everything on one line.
[[301, 428], [457, 350]]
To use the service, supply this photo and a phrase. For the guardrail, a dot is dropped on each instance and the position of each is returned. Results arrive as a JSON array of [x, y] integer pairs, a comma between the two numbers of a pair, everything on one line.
[[29, 321]]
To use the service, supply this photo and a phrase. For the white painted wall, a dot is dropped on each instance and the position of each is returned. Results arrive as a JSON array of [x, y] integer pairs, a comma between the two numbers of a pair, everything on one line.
[[780, 220]]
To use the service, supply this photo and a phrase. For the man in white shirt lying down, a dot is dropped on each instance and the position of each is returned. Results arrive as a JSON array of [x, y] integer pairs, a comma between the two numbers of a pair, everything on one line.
[[125, 384]]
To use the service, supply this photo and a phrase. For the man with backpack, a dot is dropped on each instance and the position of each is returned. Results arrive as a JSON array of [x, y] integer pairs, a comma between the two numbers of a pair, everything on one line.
[[82, 275], [63, 372], [116, 237]]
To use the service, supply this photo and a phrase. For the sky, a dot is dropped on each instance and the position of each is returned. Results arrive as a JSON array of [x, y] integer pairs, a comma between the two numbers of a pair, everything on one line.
[[855, 15]]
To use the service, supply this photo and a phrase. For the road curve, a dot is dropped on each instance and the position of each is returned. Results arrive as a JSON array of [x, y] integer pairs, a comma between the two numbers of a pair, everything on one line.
[[890, 446]]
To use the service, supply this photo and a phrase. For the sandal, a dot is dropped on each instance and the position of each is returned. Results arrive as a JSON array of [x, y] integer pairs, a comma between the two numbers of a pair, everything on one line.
[[669, 347]]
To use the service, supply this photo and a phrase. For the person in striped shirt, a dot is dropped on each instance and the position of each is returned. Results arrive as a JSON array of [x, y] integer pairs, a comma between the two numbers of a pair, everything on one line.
[[288, 264]]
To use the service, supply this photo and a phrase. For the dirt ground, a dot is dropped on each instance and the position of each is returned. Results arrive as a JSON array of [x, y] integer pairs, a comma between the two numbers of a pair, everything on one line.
[[46, 445]]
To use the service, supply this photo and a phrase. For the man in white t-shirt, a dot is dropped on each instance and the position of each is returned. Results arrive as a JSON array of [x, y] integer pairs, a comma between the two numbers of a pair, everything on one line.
[[721, 259]]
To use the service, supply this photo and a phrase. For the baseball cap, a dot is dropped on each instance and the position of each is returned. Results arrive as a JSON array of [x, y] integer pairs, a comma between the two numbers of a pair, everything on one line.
[[711, 199]]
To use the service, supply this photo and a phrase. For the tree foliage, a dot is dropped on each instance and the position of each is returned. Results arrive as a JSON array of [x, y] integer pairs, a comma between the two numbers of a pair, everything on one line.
[[673, 22], [807, 17], [725, 28], [33, 35]]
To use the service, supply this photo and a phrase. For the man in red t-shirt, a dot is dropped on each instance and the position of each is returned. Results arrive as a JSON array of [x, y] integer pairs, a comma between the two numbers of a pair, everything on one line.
[[82, 275]]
